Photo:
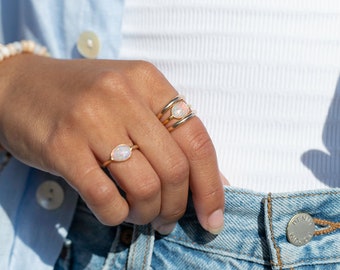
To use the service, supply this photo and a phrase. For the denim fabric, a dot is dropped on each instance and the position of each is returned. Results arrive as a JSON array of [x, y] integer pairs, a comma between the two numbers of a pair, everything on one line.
[[88, 242], [254, 237]]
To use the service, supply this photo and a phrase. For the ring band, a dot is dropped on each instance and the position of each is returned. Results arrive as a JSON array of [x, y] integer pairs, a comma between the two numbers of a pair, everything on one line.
[[178, 111], [182, 121], [121, 152], [169, 105]]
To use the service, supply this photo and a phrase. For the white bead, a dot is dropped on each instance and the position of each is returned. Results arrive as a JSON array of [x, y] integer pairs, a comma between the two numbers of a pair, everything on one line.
[[18, 47], [5, 52], [24, 46], [37, 49], [40, 50], [11, 49], [31, 46]]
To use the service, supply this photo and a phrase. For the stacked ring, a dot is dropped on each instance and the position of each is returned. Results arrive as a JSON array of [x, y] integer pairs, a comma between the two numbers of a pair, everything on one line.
[[121, 152], [179, 110], [169, 105], [182, 121]]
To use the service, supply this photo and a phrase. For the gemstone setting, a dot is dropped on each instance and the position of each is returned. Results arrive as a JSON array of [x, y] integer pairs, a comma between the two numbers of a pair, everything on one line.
[[121, 152], [180, 110]]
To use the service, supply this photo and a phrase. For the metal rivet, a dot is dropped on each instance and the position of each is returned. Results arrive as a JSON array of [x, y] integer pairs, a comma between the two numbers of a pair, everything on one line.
[[300, 229]]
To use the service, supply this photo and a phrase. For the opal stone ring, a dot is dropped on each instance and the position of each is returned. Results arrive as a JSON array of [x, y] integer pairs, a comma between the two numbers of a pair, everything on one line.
[[175, 113], [178, 111], [121, 152], [169, 105]]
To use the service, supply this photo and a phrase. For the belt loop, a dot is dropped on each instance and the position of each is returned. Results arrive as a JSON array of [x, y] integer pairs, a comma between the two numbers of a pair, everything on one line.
[[141, 248]]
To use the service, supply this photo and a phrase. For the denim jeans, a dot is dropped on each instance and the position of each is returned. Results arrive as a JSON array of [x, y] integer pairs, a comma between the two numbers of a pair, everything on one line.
[[254, 237]]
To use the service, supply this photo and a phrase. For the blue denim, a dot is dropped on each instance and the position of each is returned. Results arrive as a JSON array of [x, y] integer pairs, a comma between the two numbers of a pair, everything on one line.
[[88, 242], [254, 237]]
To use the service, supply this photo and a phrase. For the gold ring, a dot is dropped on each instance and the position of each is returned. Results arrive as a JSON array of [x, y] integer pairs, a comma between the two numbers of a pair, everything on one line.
[[121, 152], [182, 121]]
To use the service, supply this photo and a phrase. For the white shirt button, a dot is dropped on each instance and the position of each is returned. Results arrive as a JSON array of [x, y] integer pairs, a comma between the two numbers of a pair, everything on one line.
[[50, 195], [88, 45], [300, 229]]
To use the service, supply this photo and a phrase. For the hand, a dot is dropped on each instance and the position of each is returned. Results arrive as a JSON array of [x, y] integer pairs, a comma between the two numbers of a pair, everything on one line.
[[65, 117]]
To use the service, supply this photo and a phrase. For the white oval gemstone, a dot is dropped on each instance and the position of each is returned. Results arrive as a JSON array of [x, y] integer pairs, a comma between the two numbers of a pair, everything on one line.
[[121, 152], [180, 109]]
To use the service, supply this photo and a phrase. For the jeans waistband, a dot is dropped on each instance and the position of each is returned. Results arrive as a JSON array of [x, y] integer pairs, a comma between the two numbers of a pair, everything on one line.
[[255, 234]]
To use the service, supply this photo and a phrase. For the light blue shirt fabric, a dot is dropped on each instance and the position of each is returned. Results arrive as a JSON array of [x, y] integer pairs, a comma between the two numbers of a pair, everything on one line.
[[31, 236]]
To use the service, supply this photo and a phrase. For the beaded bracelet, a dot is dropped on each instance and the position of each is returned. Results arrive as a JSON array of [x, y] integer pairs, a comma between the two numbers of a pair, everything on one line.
[[19, 47]]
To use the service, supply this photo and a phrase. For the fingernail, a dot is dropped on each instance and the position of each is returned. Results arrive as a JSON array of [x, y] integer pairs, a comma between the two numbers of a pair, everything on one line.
[[216, 222], [166, 229]]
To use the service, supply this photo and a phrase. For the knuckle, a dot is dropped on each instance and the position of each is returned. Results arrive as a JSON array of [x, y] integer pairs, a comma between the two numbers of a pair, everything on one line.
[[86, 107], [146, 70], [95, 102], [174, 215], [179, 170], [201, 146], [97, 193], [149, 74], [212, 193], [115, 87], [146, 188], [109, 80], [111, 85]]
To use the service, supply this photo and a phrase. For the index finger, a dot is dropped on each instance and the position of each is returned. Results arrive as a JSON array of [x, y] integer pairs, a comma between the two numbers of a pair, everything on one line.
[[205, 181], [194, 141]]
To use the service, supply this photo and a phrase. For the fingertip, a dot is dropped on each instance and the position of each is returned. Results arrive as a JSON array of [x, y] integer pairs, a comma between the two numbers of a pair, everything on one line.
[[102, 196], [164, 229], [210, 210], [107, 204], [112, 213], [111, 218], [215, 222]]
